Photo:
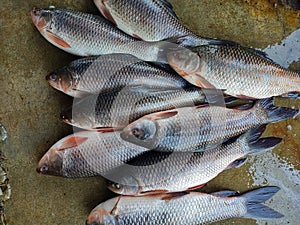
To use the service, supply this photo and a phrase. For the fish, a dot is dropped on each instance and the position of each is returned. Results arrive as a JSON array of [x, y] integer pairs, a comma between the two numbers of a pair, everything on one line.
[[151, 20], [119, 108], [191, 208], [240, 72], [200, 128], [159, 172], [85, 34], [112, 72], [147, 20], [87, 154]]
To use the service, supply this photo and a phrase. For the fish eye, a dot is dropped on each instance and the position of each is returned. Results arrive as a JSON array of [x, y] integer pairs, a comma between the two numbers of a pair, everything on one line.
[[116, 186], [44, 169], [53, 77], [138, 133]]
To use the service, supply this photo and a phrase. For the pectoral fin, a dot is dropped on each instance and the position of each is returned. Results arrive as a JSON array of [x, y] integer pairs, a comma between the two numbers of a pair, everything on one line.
[[106, 13], [56, 39], [105, 129], [202, 82], [72, 142], [163, 115]]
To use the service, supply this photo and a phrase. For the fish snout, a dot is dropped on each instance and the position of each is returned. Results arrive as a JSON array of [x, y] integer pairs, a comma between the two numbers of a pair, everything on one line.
[[41, 18], [36, 16], [95, 217], [51, 163]]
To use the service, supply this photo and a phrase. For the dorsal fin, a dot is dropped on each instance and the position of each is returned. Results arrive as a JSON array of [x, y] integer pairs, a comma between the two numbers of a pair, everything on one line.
[[258, 53], [169, 7]]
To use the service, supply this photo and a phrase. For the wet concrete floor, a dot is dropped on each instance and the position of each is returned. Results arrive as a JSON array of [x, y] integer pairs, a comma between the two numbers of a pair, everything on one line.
[[30, 110]]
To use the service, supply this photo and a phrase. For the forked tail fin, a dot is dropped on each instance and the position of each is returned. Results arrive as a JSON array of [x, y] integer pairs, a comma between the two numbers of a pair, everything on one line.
[[257, 210], [256, 144], [276, 113]]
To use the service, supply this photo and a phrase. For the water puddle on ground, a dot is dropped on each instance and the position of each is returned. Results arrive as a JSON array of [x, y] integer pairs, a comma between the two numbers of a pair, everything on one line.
[[287, 52], [269, 169]]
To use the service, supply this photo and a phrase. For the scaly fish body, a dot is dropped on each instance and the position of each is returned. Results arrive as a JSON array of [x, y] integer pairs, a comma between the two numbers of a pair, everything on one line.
[[119, 108], [156, 172], [191, 128], [241, 72], [152, 20], [193, 208], [86, 154], [86, 35], [111, 72]]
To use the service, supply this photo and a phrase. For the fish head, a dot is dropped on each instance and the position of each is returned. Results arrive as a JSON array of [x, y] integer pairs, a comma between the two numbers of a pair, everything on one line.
[[101, 216], [142, 132], [42, 18], [183, 61], [128, 186], [51, 163], [62, 80]]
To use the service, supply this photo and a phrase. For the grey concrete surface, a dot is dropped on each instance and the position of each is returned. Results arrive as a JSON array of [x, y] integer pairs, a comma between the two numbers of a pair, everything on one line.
[[30, 107]]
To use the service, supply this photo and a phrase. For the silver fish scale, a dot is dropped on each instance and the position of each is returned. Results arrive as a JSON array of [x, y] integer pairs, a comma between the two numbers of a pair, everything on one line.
[[205, 127], [117, 109], [182, 170], [150, 20], [232, 69], [91, 35], [110, 72], [192, 209], [98, 155]]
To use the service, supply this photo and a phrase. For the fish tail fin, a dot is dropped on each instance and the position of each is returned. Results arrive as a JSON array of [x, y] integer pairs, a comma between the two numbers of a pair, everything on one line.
[[257, 144], [275, 113], [257, 210]]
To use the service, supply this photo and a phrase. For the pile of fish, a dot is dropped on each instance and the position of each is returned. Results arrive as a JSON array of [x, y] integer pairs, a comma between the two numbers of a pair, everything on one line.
[[164, 111]]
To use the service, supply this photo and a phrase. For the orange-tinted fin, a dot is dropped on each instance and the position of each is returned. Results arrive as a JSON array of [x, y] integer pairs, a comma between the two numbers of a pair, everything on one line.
[[136, 36], [201, 106], [163, 115], [196, 187], [169, 196], [56, 39], [114, 209], [201, 82], [72, 142], [106, 129], [154, 192], [107, 14]]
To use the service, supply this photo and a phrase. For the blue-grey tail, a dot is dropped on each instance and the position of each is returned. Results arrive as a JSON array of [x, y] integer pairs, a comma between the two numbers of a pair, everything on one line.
[[257, 144], [276, 113], [255, 209]]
